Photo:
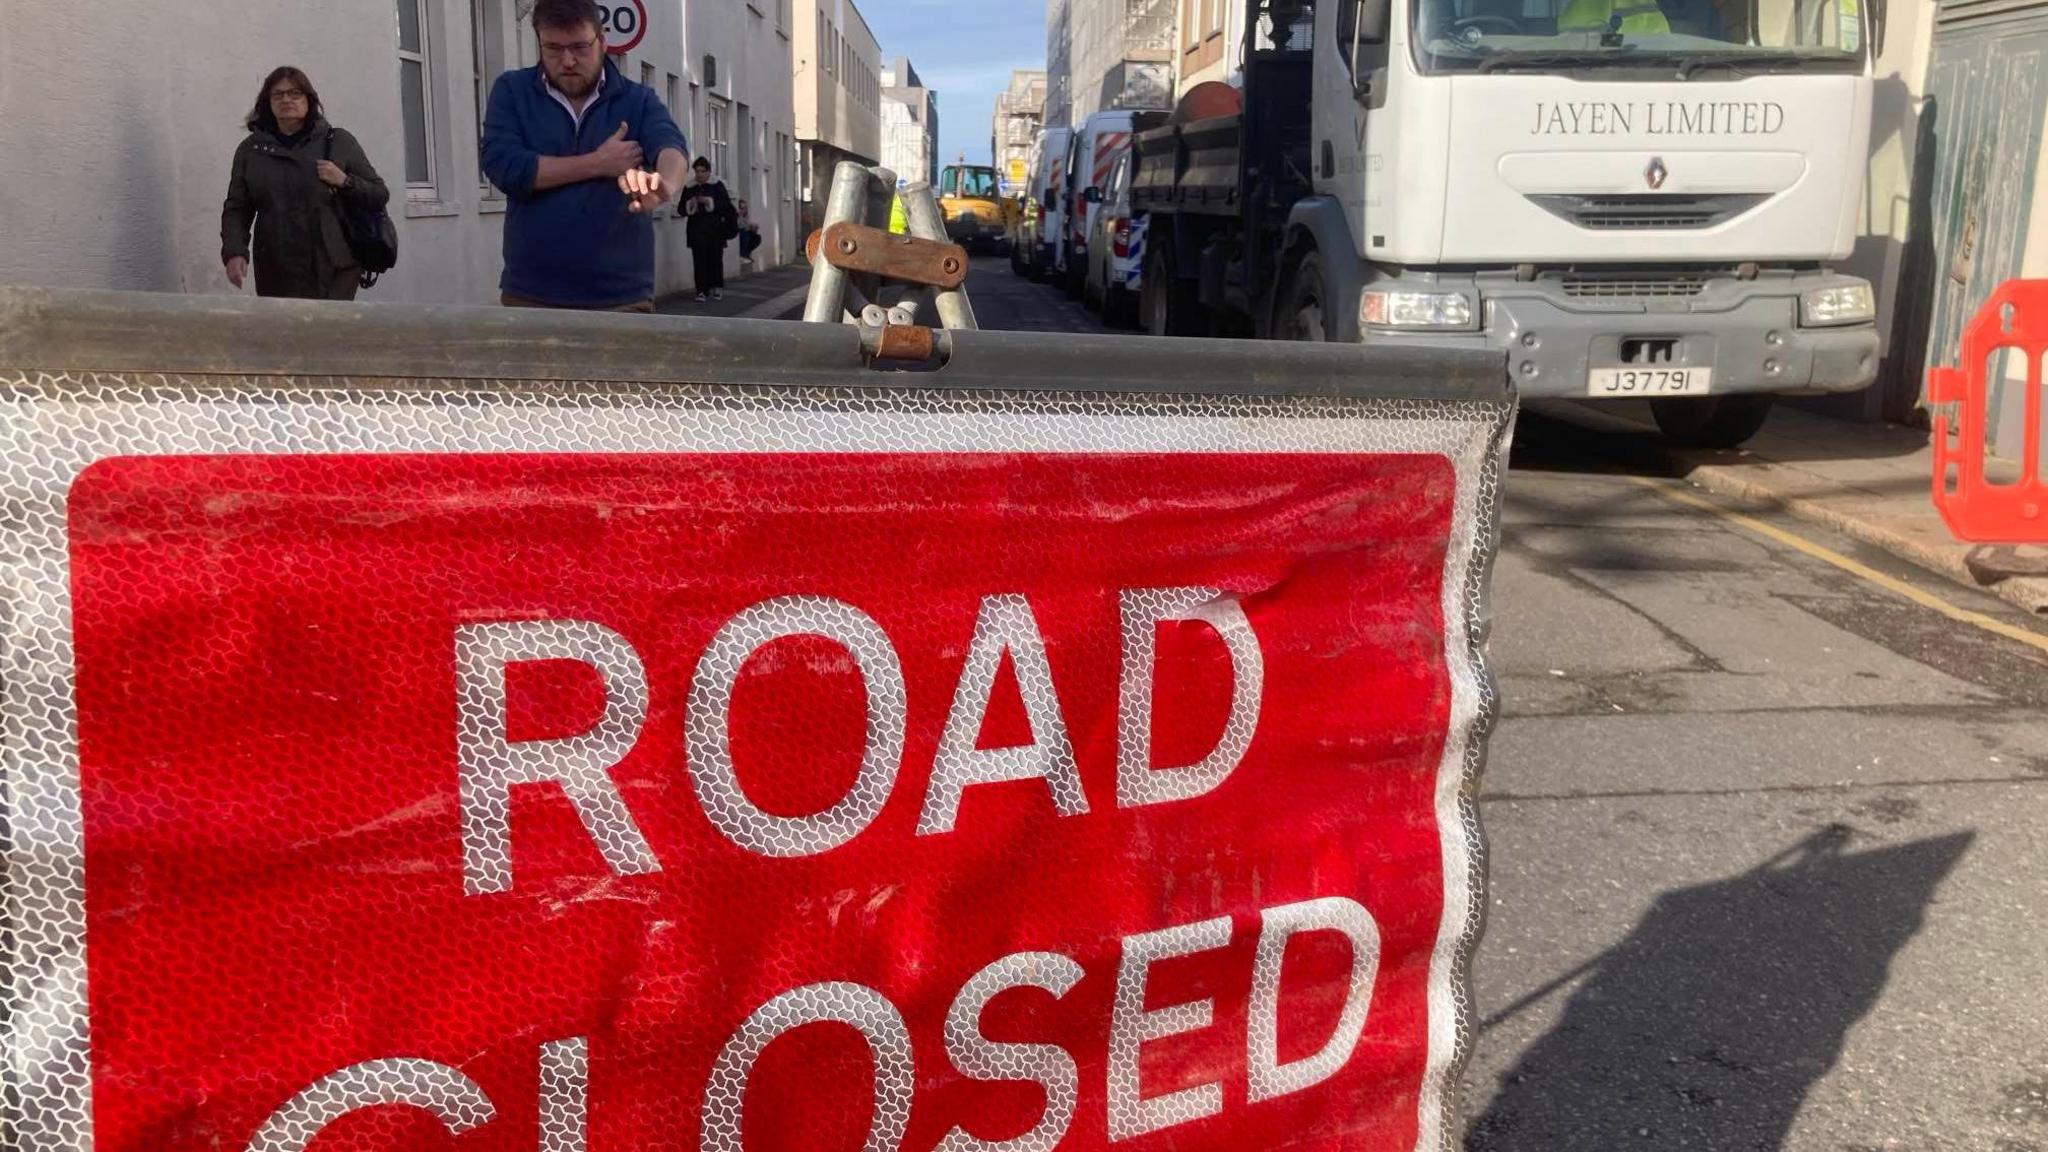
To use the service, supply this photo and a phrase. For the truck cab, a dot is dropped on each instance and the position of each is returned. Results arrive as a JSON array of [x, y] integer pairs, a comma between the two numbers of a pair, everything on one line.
[[1627, 198]]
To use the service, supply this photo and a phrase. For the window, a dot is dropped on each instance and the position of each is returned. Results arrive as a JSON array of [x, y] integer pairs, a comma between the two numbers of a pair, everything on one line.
[[486, 60], [415, 97], [717, 131], [782, 16], [820, 50], [647, 75]]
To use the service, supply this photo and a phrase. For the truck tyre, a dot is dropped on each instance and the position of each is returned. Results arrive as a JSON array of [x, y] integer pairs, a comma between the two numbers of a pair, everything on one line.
[[1091, 295], [1302, 314], [1074, 280], [1710, 421], [1017, 265], [1168, 304]]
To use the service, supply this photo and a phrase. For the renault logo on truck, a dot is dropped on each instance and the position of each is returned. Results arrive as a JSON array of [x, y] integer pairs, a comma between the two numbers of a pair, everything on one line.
[[1656, 173]]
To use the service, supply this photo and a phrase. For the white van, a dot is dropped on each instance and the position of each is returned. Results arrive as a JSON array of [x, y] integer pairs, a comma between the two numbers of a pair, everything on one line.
[[1048, 185], [1092, 153]]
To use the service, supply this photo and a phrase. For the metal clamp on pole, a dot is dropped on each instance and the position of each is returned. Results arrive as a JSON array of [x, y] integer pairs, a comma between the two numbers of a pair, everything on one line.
[[888, 276]]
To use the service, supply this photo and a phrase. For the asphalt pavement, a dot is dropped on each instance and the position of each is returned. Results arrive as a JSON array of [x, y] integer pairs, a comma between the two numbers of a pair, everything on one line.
[[1766, 816]]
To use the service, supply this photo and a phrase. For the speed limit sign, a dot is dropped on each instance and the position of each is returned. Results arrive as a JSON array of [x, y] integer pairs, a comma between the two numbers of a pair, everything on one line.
[[625, 22]]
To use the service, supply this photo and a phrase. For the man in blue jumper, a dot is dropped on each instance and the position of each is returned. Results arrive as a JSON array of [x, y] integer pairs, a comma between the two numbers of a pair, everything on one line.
[[567, 142]]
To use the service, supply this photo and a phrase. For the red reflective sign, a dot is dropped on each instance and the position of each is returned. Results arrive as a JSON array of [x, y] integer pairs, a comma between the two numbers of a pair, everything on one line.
[[1007, 800]]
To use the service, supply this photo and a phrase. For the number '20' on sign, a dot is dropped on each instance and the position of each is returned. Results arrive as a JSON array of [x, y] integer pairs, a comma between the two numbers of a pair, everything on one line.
[[623, 24]]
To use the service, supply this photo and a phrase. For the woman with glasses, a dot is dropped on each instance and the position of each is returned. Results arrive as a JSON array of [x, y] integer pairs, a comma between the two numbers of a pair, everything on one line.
[[286, 180]]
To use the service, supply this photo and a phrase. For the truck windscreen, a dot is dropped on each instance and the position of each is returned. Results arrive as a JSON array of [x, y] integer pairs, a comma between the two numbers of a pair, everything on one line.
[[1577, 35]]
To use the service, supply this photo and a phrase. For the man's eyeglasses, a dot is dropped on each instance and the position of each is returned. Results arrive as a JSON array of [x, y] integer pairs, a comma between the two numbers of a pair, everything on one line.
[[579, 49]]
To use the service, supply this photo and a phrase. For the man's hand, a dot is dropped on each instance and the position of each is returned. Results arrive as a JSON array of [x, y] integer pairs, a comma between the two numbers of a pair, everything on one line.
[[330, 173], [238, 269], [645, 191], [617, 155]]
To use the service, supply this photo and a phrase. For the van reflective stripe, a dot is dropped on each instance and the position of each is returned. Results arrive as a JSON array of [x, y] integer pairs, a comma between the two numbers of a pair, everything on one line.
[[1107, 147]]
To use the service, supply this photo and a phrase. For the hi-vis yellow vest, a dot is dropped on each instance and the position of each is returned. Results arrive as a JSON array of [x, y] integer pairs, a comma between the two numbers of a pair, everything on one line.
[[1640, 17], [898, 223]]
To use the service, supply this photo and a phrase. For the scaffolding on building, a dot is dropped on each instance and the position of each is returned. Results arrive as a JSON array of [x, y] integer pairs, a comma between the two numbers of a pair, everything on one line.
[[1107, 54], [1020, 113]]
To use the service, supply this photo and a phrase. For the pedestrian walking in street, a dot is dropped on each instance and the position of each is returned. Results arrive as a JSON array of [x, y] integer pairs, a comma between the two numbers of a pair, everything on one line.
[[568, 141], [287, 184], [750, 233], [713, 221]]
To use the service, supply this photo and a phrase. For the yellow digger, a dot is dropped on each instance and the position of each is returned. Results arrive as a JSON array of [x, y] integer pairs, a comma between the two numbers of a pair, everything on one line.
[[977, 217]]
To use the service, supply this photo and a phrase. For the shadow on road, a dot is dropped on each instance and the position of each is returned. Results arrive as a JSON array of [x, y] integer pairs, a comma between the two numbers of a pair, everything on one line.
[[1709, 1024]]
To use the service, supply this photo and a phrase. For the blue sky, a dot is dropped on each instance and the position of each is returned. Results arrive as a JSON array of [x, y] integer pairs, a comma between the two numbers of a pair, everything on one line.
[[964, 50]]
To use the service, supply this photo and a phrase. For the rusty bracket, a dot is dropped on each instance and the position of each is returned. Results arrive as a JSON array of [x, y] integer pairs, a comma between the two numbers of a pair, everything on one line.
[[911, 343], [909, 259]]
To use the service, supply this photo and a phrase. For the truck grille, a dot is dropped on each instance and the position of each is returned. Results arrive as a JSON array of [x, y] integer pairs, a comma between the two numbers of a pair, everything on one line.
[[1610, 288], [1648, 213]]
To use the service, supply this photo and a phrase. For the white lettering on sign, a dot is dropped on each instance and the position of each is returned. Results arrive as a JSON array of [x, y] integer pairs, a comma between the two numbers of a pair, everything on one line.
[[1138, 781], [856, 1005], [489, 765], [460, 1105], [434, 1088], [1050, 1065], [710, 748], [1269, 1077], [1005, 624], [1131, 1025]]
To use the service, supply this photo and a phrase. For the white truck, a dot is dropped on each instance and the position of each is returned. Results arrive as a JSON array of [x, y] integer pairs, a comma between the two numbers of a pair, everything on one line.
[[1629, 198]]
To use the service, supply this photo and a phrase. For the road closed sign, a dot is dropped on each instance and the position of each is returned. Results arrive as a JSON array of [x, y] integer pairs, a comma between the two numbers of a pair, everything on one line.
[[398, 761]]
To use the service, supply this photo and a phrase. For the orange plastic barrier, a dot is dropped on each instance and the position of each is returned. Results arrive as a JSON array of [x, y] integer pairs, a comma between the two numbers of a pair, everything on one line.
[[2016, 316]]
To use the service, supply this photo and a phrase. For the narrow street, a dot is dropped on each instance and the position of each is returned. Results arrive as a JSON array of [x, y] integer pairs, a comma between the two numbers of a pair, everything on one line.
[[1764, 834]]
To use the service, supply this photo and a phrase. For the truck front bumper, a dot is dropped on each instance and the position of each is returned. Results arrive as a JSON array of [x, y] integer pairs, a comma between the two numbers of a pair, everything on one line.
[[974, 230], [1746, 331]]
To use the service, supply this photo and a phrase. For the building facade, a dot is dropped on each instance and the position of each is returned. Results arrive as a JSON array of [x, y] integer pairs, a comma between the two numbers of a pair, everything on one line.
[[127, 194], [1208, 42], [1020, 113], [1107, 54], [741, 113], [838, 79], [910, 123]]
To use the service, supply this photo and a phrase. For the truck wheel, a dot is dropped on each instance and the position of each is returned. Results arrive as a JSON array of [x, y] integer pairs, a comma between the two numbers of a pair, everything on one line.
[[1710, 421], [1074, 281], [1017, 267], [1168, 304], [1302, 315]]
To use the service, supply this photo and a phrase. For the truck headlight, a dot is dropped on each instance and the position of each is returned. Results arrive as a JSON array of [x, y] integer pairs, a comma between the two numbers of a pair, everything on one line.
[[1827, 307], [1381, 308]]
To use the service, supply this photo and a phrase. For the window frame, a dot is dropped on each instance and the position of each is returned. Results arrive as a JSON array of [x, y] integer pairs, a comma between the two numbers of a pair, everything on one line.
[[716, 133], [486, 53], [430, 188]]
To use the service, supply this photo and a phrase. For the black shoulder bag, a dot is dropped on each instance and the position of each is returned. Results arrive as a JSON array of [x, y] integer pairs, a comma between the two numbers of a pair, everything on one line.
[[371, 235]]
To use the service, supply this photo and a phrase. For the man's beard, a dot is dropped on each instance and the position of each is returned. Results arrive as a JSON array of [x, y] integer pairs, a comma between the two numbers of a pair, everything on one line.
[[574, 87]]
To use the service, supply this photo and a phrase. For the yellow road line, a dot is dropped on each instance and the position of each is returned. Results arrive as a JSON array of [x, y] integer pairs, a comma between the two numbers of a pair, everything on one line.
[[1677, 495]]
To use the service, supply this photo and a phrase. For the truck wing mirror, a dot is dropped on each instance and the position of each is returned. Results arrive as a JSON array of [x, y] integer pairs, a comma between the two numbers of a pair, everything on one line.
[[1093, 195], [1876, 28]]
